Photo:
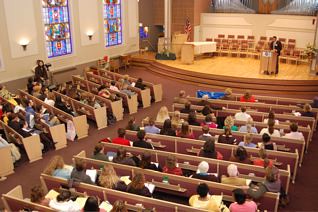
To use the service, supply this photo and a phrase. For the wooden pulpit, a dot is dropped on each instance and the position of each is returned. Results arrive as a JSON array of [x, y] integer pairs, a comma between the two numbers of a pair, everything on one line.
[[268, 62]]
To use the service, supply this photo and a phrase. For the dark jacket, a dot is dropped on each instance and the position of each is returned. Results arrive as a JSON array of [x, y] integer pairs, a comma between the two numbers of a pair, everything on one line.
[[81, 176], [40, 72], [100, 156], [278, 46], [142, 144], [144, 191]]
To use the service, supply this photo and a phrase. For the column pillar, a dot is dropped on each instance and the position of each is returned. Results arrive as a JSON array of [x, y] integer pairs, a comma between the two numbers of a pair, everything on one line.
[[167, 26]]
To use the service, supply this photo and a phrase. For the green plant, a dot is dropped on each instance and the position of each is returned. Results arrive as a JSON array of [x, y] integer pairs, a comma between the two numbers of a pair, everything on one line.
[[310, 51]]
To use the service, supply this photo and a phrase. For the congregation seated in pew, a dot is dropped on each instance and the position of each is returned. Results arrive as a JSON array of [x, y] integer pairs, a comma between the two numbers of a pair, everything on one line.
[[78, 173], [248, 127], [248, 141], [241, 202], [171, 166], [167, 128], [240, 155], [208, 150], [163, 114], [141, 142], [233, 177], [185, 131], [243, 115], [145, 163], [132, 124], [270, 129], [137, 185], [227, 137], [121, 138], [203, 173], [57, 168], [247, 97], [108, 178], [192, 119]]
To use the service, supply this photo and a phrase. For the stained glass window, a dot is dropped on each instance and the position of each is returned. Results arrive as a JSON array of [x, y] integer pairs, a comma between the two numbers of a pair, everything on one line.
[[57, 27], [112, 22]]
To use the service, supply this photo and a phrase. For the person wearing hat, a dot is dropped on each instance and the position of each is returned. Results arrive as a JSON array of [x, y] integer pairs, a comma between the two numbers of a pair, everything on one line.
[[233, 178], [228, 95], [202, 173]]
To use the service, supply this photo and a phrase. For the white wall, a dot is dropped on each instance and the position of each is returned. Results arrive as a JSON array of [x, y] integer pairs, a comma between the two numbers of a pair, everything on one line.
[[24, 19], [300, 28]]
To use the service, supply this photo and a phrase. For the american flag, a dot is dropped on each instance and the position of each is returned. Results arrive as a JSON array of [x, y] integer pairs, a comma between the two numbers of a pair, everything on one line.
[[188, 28]]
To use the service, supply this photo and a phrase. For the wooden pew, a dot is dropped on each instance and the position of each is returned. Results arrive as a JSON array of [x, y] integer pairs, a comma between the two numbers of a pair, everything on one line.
[[259, 126], [156, 89], [283, 144], [31, 144], [99, 115], [259, 116], [143, 95], [191, 147], [216, 166], [131, 200], [58, 137], [6, 165], [14, 200], [276, 100], [80, 122], [261, 107], [130, 103], [180, 185], [115, 106]]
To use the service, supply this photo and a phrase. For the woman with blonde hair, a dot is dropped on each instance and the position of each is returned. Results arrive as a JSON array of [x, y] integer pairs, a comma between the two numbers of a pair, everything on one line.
[[176, 119], [248, 141], [229, 121], [163, 114], [57, 168], [109, 179], [249, 128], [137, 185], [307, 111]]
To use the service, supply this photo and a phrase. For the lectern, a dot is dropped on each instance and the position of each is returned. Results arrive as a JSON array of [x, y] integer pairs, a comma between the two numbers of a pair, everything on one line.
[[268, 62]]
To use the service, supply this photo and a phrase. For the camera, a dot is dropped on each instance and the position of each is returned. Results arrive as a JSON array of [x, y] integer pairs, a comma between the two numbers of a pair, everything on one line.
[[47, 65]]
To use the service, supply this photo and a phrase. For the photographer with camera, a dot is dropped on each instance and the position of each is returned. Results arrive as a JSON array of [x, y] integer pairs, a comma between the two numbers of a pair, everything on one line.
[[41, 72]]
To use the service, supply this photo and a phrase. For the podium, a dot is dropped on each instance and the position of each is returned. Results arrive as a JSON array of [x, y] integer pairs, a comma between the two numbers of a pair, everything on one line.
[[268, 62]]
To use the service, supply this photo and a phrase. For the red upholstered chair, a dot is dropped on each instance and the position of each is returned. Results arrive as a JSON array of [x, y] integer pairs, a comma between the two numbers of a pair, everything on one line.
[[209, 39], [221, 36], [263, 38]]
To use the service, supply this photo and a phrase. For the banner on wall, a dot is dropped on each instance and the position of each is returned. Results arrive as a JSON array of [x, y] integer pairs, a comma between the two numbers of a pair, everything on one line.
[[1, 60]]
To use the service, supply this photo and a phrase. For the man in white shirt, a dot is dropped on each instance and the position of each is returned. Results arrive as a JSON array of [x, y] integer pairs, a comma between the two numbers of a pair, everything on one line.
[[294, 134], [242, 116]]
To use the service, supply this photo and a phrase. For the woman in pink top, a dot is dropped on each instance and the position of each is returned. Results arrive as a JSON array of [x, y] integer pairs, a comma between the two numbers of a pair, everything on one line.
[[185, 131], [241, 204]]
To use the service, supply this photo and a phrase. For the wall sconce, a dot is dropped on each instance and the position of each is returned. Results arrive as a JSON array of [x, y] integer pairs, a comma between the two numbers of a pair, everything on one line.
[[24, 43], [90, 34]]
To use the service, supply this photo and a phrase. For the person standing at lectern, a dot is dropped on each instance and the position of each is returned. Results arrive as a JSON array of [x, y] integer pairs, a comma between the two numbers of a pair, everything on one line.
[[276, 45]]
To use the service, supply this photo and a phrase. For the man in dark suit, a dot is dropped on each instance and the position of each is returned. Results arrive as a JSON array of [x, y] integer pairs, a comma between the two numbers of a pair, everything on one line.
[[276, 45]]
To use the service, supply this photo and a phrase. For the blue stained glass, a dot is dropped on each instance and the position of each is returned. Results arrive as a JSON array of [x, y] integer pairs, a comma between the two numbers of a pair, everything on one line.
[[57, 27], [112, 22]]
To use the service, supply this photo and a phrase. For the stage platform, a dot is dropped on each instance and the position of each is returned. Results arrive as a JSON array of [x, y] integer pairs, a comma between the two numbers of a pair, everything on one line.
[[238, 73]]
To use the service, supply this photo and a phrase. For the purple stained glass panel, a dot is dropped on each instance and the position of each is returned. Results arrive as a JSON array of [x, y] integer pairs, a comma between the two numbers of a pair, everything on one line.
[[112, 22], [57, 27]]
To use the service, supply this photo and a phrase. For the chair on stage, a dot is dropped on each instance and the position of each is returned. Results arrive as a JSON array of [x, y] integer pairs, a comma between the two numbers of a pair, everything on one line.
[[234, 50], [295, 57], [263, 38], [221, 36], [244, 50]]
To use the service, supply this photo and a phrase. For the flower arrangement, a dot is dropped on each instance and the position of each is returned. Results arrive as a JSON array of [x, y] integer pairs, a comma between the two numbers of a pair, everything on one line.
[[310, 51]]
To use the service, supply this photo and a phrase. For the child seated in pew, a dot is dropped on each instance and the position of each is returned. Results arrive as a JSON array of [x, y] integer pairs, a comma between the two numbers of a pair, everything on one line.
[[240, 156], [209, 151], [229, 122], [57, 168], [137, 185], [232, 178], [203, 173], [109, 179], [171, 166], [176, 119], [203, 200], [38, 196]]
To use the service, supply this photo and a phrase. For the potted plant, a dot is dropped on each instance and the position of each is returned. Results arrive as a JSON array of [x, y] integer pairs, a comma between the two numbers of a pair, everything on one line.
[[310, 51]]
